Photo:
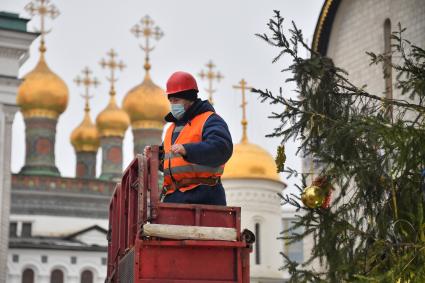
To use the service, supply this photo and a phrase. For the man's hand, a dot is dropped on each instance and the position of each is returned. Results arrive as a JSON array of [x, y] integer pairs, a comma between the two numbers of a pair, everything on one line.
[[179, 149]]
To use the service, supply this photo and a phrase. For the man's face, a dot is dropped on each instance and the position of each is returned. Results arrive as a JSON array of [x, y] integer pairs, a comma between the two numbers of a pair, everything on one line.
[[186, 103]]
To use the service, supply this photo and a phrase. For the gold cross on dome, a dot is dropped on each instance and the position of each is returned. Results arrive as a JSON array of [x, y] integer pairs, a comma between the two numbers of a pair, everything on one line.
[[145, 28], [243, 86], [210, 75], [44, 9], [112, 64], [87, 82]]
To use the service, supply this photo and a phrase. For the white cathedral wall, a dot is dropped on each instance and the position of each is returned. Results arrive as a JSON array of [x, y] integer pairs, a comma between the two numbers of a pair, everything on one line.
[[260, 204], [359, 27], [56, 259]]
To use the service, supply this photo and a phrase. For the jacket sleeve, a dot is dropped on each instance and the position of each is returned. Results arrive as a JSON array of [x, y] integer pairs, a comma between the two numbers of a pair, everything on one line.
[[216, 146]]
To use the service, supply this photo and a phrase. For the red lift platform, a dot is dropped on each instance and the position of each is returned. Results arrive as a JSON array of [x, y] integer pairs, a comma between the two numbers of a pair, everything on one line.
[[138, 255]]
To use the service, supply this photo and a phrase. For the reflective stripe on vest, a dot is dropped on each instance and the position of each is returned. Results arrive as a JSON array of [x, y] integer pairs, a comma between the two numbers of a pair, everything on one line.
[[193, 168], [179, 168], [178, 129]]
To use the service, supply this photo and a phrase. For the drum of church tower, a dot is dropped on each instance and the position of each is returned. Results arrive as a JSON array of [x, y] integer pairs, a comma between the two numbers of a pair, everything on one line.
[[251, 181]]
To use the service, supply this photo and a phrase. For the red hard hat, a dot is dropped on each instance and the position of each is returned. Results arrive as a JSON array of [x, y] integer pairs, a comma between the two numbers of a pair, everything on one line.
[[180, 81]]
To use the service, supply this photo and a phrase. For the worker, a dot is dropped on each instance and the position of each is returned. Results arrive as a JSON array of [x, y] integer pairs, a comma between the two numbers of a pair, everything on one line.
[[196, 146]]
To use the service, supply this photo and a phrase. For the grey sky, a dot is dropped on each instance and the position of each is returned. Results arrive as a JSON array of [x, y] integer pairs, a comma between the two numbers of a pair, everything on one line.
[[195, 32]]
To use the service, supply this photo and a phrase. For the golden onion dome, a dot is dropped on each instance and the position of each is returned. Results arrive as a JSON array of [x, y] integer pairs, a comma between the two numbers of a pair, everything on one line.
[[42, 93], [112, 121], [147, 105], [249, 161], [85, 138]]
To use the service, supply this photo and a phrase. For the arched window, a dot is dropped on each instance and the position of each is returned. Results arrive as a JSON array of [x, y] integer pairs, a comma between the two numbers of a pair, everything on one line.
[[257, 244], [388, 76], [87, 276], [28, 276], [56, 276]]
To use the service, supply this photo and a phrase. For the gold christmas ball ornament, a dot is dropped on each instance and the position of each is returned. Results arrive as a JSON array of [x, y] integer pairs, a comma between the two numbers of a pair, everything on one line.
[[313, 196]]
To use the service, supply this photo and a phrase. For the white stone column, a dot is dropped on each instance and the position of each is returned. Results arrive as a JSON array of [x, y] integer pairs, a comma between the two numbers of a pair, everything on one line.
[[7, 113], [14, 44]]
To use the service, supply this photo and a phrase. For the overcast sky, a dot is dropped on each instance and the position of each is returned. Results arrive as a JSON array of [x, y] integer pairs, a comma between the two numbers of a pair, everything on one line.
[[195, 32]]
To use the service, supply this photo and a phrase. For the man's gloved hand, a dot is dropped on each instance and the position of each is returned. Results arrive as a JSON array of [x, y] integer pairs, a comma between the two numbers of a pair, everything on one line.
[[179, 149]]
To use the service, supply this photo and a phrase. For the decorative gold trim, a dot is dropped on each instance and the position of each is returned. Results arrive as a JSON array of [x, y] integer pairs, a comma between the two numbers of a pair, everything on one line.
[[322, 19], [42, 113], [111, 133], [147, 124]]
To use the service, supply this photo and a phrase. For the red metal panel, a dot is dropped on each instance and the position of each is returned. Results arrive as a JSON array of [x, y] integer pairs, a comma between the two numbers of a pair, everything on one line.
[[183, 281], [163, 261], [124, 215], [230, 217], [132, 185], [114, 231], [175, 214], [125, 189], [110, 266], [143, 191], [153, 183], [194, 243], [245, 264], [191, 261], [121, 223], [115, 221], [198, 215]]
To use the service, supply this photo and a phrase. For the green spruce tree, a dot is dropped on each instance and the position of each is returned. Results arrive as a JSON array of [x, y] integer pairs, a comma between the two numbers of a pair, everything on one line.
[[370, 149]]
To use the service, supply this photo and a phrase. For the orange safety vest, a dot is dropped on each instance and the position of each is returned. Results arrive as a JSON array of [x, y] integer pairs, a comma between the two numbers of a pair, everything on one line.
[[175, 167]]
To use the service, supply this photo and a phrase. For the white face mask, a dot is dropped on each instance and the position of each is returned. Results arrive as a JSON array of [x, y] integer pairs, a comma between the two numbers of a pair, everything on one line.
[[177, 110]]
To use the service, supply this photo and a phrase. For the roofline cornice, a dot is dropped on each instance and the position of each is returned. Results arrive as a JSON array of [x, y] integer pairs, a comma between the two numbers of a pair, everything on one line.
[[324, 26]]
